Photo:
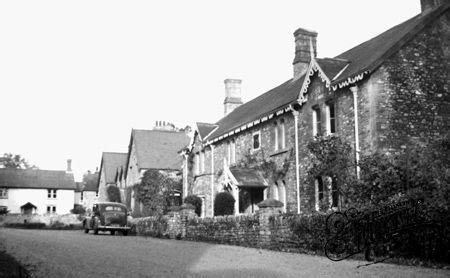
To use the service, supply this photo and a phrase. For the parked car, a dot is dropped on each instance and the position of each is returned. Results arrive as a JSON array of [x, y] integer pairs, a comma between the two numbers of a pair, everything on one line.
[[107, 216]]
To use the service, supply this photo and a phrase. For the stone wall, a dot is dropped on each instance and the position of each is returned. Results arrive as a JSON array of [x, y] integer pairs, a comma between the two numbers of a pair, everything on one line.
[[47, 219]]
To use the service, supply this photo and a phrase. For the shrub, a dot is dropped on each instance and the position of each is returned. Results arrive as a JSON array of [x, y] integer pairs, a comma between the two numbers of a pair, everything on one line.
[[78, 209], [196, 202], [113, 194], [224, 204], [26, 225]]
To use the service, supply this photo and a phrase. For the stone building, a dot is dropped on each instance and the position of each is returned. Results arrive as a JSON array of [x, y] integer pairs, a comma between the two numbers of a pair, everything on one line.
[[379, 95], [86, 193], [109, 164]]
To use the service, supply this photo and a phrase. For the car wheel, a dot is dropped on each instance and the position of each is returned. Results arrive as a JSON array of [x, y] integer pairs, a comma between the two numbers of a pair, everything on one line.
[[95, 231], [125, 233], [113, 232], [86, 230]]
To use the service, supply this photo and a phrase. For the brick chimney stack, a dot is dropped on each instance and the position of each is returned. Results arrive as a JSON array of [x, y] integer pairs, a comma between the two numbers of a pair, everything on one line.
[[232, 95], [430, 4], [69, 166], [305, 49]]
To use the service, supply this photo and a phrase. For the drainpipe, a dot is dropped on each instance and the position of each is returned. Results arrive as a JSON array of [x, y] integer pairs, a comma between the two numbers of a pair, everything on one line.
[[354, 90], [297, 166], [212, 180], [185, 183]]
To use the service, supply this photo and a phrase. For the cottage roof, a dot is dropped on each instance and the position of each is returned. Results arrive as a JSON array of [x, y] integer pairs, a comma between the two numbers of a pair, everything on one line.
[[371, 54], [30, 178], [110, 162], [157, 149]]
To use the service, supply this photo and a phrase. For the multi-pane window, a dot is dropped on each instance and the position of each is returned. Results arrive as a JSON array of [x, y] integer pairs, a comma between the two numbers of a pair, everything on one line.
[[3, 193], [319, 192], [317, 125], [51, 209], [256, 140], [331, 118], [51, 193], [82, 193]]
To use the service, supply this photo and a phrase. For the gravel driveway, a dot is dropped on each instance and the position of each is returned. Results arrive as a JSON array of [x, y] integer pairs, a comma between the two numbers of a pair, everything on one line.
[[75, 254]]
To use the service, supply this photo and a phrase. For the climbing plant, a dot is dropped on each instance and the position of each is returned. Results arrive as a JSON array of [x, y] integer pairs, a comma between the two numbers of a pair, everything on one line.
[[113, 193]]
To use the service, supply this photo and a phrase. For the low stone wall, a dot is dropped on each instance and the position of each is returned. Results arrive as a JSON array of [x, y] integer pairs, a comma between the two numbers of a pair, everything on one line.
[[268, 228], [47, 219]]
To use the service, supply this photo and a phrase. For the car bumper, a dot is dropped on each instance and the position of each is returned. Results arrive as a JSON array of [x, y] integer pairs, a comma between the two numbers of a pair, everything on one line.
[[123, 228]]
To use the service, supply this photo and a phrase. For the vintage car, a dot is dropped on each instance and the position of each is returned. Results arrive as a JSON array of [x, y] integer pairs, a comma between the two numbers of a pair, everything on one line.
[[107, 216]]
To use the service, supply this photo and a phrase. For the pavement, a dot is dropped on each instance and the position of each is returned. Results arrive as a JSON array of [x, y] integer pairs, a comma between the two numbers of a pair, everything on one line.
[[52, 253]]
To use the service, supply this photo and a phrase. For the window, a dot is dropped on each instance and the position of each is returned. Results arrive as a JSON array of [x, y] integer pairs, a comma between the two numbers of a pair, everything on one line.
[[319, 192], [96, 194], [275, 137], [202, 161], [82, 196], [232, 152], [281, 135], [256, 140], [331, 118], [317, 127], [3, 193], [282, 193], [51, 193], [228, 153], [51, 209]]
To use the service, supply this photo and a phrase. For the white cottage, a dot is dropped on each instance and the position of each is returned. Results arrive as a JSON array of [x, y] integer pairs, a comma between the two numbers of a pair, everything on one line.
[[28, 191]]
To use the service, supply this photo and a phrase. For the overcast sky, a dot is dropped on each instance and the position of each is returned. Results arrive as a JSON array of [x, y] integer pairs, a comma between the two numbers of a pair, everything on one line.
[[77, 76]]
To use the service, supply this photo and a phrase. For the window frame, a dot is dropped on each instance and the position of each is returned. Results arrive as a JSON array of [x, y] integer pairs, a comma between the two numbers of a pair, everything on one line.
[[3, 193], [232, 151], [202, 161], [331, 119], [51, 209], [316, 121], [258, 133], [319, 194], [51, 194], [281, 135]]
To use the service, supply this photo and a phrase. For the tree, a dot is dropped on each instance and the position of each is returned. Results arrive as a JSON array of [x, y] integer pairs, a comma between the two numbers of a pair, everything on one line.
[[196, 202], [113, 193], [156, 190], [14, 161], [224, 204]]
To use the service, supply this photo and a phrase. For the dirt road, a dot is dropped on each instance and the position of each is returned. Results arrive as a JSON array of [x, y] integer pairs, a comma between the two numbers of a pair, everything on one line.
[[75, 254]]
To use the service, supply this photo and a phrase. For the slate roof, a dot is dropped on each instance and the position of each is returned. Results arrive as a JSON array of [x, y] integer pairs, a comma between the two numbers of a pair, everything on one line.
[[110, 162], [364, 57], [158, 149], [204, 129], [29, 178], [260, 106], [371, 54], [248, 177]]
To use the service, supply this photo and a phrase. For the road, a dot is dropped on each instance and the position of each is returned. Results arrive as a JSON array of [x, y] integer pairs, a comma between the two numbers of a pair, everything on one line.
[[50, 253]]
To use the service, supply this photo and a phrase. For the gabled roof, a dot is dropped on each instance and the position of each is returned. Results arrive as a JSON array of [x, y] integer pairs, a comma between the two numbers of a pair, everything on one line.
[[371, 54], [28, 205], [157, 149], [204, 129], [263, 105], [28, 178], [110, 162]]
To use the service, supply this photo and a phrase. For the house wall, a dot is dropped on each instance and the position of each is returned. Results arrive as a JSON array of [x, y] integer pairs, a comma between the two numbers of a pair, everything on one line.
[[89, 198], [77, 199], [133, 173], [201, 184], [17, 197], [102, 194]]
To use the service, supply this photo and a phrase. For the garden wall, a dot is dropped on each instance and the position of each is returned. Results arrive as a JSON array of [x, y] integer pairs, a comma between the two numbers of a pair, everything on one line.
[[47, 219]]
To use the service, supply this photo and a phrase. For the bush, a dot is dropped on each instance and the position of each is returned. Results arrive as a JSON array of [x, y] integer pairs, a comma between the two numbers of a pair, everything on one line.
[[26, 225], [196, 202], [113, 194], [78, 209], [224, 204]]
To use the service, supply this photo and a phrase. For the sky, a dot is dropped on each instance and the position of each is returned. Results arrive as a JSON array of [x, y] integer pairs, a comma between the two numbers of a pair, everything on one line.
[[77, 76]]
